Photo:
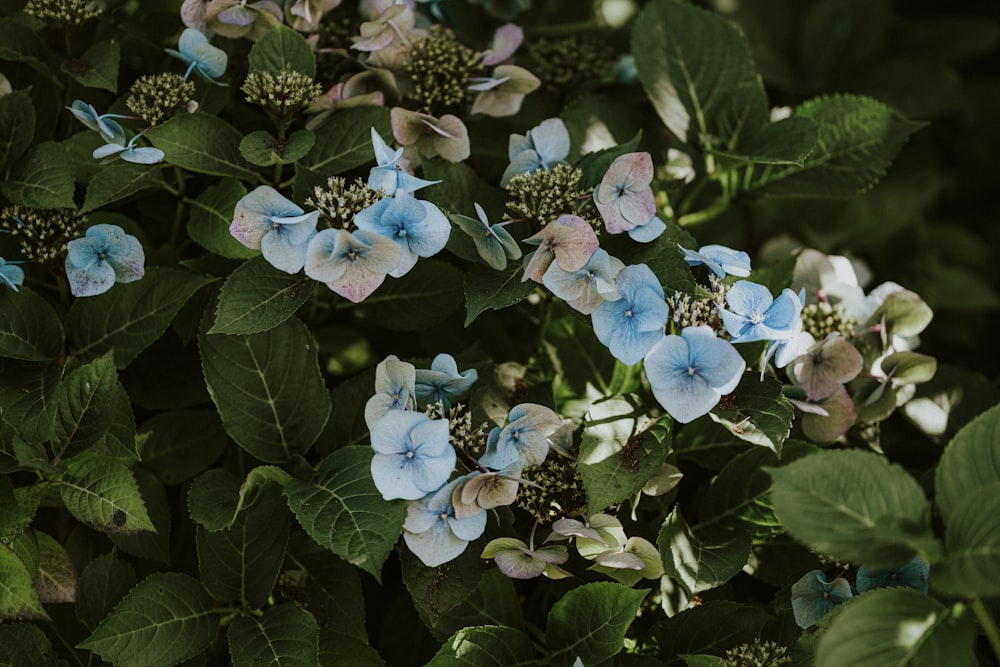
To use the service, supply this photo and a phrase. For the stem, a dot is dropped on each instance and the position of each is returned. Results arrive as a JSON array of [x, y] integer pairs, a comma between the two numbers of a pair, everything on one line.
[[989, 627], [704, 215]]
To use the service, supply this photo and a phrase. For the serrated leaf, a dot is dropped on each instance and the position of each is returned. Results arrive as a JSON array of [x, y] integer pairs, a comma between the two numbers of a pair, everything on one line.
[[177, 445], [13, 519], [216, 498], [264, 150], [102, 493], [494, 290], [17, 126], [133, 316], [43, 178], [418, 301], [227, 570], [439, 590], [102, 584], [616, 460], [897, 626], [97, 67], [970, 462], [701, 559], [202, 143], [117, 181], [56, 578], [972, 542], [590, 622], [18, 599], [257, 297], [30, 329], [285, 635], [854, 506], [486, 646], [166, 619], [712, 627], [760, 413], [152, 545], [344, 512], [211, 215], [28, 395], [494, 601], [282, 48], [344, 142]]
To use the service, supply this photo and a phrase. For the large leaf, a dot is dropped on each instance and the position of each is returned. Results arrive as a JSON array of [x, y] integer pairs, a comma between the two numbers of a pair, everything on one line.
[[282, 48], [344, 142], [972, 539], [700, 560], [211, 215], [29, 327], [17, 126], [102, 584], [494, 601], [461, 188], [216, 497], [268, 389], [56, 578], [117, 181], [853, 506], [102, 493], [485, 290], [166, 619], [897, 626], [257, 297], [712, 627], [344, 512], [18, 598], [26, 645], [131, 317], [28, 393], [421, 299], [340, 649], [486, 646], [41, 179], [202, 143], [757, 412], [179, 444], [151, 545], [970, 462], [285, 635], [97, 67], [439, 590], [589, 622]]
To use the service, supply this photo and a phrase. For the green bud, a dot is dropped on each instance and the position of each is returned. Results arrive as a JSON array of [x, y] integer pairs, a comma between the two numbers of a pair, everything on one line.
[[285, 94], [339, 202], [757, 654], [64, 13], [156, 97], [568, 61], [42, 232], [545, 194], [439, 67]]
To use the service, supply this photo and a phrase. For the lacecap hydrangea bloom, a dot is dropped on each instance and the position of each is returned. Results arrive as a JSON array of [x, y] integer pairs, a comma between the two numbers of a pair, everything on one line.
[[629, 327], [394, 389], [351, 265], [193, 48], [720, 260], [266, 220], [443, 383], [104, 256], [541, 147], [756, 315], [525, 438], [418, 227]]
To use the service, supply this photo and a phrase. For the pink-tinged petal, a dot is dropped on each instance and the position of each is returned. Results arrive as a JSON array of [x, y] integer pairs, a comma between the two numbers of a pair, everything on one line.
[[842, 415], [357, 284], [519, 564], [638, 208], [506, 41], [537, 263], [620, 560]]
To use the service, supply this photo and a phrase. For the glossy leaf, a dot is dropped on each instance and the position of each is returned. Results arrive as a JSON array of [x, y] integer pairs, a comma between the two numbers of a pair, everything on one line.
[[102, 493], [211, 215], [43, 178], [102, 584], [119, 180], [590, 622], [421, 299], [486, 646], [257, 297], [494, 290], [970, 462], [97, 67], [18, 598], [700, 560], [282, 48], [202, 143], [972, 542]]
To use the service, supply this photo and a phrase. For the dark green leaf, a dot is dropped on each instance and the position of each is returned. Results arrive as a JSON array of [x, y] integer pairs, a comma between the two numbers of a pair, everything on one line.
[[21, 44], [17, 126], [347, 419], [97, 67], [28, 395], [13, 519], [420, 300], [344, 512], [972, 540], [595, 165], [264, 150], [216, 498], [211, 215], [285, 635], [760, 414], [344, 142], [102, 493], [25, 645], [598, 119], [666, 260], [202, 143], [712, 627], [29, 327], [117, 181], [41, 179], [494, 602], [177, 445], [148, 544], [970, 462], [590, 622], [486, 646], [18, 598], [485, 290], [339, 649], [257, 297], [701, 559], [104, 582], [460, 188], [282, 48], [436, 591], [56, 578]]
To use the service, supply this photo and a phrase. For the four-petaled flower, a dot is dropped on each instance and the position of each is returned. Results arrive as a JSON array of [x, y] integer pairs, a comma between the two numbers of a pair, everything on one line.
[[413, 456], [632, 325], [493, 243], [432, 531], [569, 240], [443, 383], [236, 18], [756, 315], [387, 175], [587, 288], [104, 256], [209, 61], [394, 387], [265, 220], [446, 136], [541, 147], [826, 366], [129, 152], [720, 260], [109, 129], [517, 560], [11, 274], [911, 574], [503, 93], [813, 597], [352, 265], [418, 227], [691, 372], [626, 201], [525, 438]]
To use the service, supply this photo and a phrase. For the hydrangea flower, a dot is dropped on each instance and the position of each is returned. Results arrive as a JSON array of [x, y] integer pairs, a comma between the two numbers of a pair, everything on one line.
[[624, 197], [129, 152], [587, 288], [11, 274], [487, 490], [691, 372], [493, 243], [104, 256], [413, 455], [443, 382], [632, 325], [506, 41], [387, 175], [525, 438], [265, 220], [394, 21], [568, 240], [432, 531], [394, 388], [720, 260], [826, 366], [237, 18], [813, 597], [756, 315], [209, 61], [517, 560], [446, 136], [911, 574], [541, 147], [102, 123], [306, 15], [352, 265], [418, 227], [503, 93]]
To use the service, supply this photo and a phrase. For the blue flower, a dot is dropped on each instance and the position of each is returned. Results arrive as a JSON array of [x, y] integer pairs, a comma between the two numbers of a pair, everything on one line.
[[129, 153], [267, 221], [587, 288], [394, 388], [813, 597], [541, 147], [352, 265], [209, 61], [493, 243], [720, 260], [413, 455], [443, 382], [419, 227], [11, 275], [102, 123], [387, 175], [104, 256], [630, 326], [691, 372], [432, 531], [911, 574], [525, 438], [756, 315]]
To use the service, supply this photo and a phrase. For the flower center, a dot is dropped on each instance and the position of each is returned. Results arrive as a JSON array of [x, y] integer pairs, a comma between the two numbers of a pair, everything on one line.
[[756, 318], [692, 370], [410, 454]]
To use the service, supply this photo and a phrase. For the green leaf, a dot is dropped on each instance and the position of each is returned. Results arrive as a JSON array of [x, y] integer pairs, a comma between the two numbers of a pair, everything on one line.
[[486, 646], [703, 558], [29, 327], [257, 297], [711, 627], [25, 645], [268, 389], [56, 578], [285, 635], [615, 459], [17, 126], [345, 142], [152, 545], [216, 498], [131, 317], [418, 301], [43, 178], [972, 541], [21, 44], [282, 48], [853, 506], [177, 445], [13, 519], [788, 141], [494, 601], [597, 119], [202, 143], [590, 622], [117, 181], [166, 619], [760, 413], [494, 290], [897, 626], [858, 140], [28, 395], [102, 584], [339, 649], [666, 260], [439, 590], [102, 493], [970, 463], [461, 188], [211, 215], [264, 150], [579, 360], [227, 569], [93, 413], [18, 598], [97, 67], [595, 165], [344, 512]]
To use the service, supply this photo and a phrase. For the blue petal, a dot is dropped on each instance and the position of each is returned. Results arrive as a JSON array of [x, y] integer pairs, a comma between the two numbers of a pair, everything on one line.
[[393, 477], [715, 359], [551, 140], [747, 298], [145, 155], [684, 394], [436, 546], [912, 574], [813, 597], [469, 528], [784, 311], [648, 232], [91, 280], [391, 434]]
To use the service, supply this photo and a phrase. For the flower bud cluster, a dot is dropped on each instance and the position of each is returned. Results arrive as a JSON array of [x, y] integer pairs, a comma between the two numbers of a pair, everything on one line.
[[339, 202], [65, 13], [689, 311], [545, 194], [42, 233], [156, 97], [757, 654], [823, 318], [439, 67], [559, 491], [285, 93], [567, 61]]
